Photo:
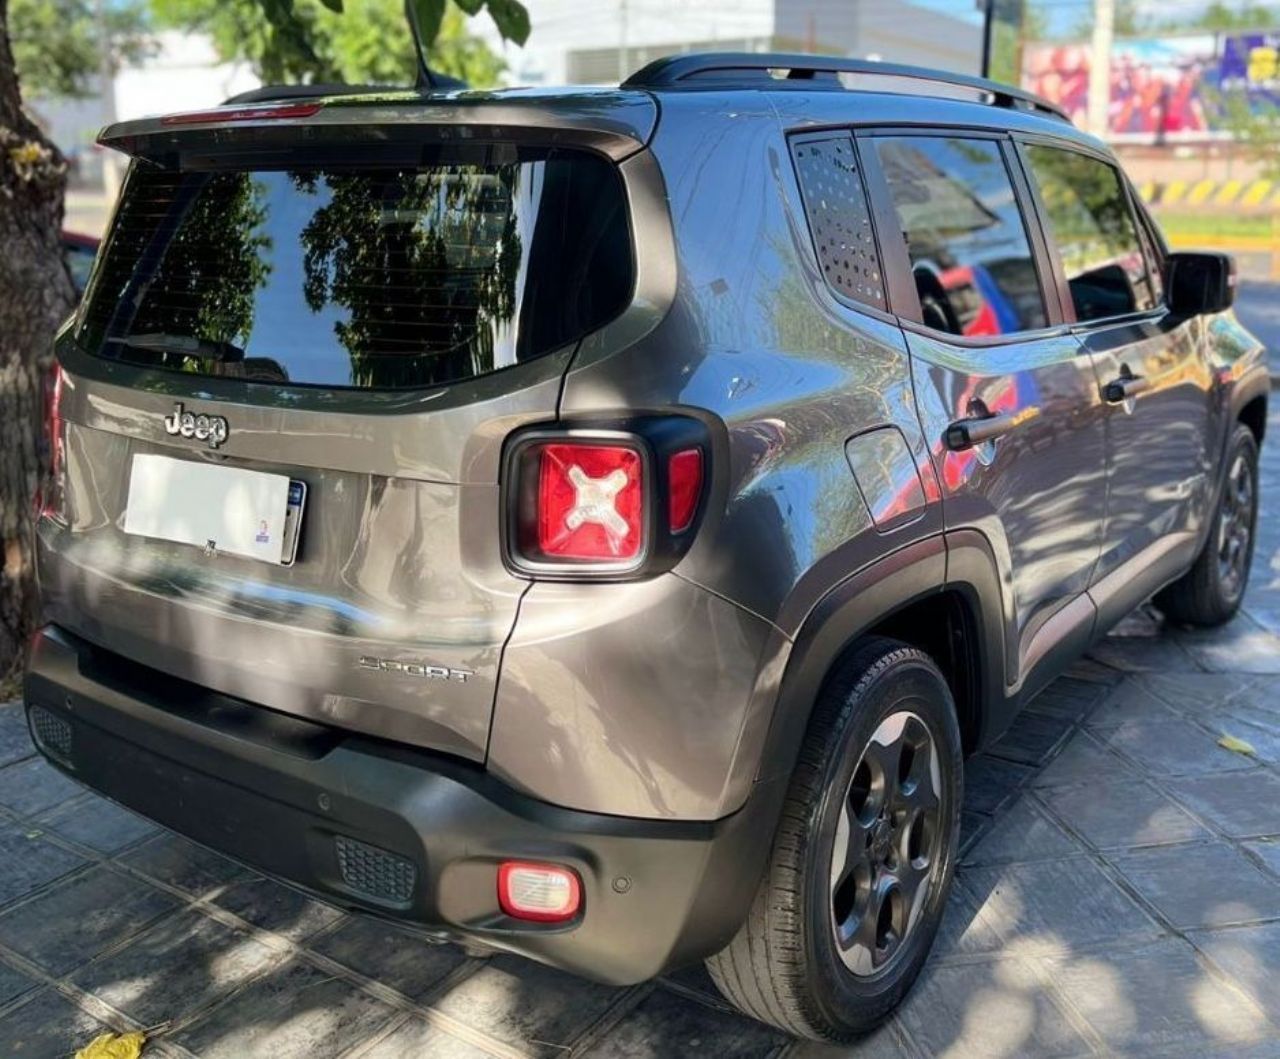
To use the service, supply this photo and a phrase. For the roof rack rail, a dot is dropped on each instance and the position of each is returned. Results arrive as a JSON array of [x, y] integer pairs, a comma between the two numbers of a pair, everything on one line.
[[729, 68]]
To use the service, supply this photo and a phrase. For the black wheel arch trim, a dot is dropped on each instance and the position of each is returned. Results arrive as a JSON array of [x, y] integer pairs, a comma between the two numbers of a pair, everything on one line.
[[960, 560]]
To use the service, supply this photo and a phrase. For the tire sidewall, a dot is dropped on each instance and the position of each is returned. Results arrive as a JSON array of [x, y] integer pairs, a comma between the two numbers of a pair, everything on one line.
[[1242, 442], [916, 685]]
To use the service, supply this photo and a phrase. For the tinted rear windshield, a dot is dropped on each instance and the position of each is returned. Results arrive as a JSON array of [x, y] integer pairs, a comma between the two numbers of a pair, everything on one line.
[[377, 278]]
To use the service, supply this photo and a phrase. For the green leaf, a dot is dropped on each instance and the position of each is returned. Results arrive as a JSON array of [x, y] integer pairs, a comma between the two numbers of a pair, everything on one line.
[[333, 5], [426, 17], [1238, 746], [511, 18], [470, 7]]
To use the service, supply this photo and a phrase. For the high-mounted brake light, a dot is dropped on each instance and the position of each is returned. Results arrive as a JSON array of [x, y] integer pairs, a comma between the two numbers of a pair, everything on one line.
[[590, 502], [287, 110], [540, 893]]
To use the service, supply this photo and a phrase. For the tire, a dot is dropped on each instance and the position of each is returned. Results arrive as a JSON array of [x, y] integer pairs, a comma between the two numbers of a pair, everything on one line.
[[784, 966], [1210, 592]]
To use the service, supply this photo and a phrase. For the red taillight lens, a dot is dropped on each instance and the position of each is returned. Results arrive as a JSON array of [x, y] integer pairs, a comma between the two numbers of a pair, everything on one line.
[[684, 485], [51, 495], [541, 893], [590, 502]]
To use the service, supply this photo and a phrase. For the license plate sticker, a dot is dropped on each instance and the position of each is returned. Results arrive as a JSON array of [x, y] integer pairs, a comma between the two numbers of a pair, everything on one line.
[[293, 520], [216, 508]]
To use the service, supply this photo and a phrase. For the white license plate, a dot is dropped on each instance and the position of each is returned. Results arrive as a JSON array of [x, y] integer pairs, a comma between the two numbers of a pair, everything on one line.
[[219, 509]]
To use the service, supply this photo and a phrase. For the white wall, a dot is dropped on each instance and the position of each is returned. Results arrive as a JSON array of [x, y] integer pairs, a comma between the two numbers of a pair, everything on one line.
[[184, 75], [890, 30]]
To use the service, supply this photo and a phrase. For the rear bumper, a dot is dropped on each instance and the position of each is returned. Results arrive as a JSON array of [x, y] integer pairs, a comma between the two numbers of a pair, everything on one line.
[[389, 829]]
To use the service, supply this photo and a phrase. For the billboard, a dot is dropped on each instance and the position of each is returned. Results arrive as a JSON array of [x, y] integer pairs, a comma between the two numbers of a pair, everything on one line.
[[1163, 89]]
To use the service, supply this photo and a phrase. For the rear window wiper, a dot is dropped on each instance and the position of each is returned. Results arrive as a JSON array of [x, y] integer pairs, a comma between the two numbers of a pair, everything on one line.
[[186, 344]]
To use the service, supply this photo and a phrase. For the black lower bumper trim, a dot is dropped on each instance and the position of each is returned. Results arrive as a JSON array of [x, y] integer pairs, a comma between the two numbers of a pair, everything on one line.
[[428, 831]]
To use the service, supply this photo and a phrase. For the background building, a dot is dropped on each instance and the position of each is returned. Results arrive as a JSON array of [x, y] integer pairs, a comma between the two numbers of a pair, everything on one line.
[[587, 42]]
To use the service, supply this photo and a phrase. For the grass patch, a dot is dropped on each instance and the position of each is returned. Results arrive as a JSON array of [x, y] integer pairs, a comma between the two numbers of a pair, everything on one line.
[[1192, 223]]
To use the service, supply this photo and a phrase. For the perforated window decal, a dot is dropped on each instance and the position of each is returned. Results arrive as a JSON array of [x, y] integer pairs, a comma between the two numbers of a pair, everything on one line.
[[835, 201]]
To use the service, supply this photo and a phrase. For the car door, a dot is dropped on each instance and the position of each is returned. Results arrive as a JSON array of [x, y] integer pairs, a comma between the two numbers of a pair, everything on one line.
[[1152, 371], [1006, 394]]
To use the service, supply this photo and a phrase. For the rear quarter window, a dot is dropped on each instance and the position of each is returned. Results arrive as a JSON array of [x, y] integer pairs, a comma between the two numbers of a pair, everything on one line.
[[376, 278]]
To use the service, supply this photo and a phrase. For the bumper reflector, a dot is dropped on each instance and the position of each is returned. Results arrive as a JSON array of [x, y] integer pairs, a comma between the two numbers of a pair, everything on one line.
[[542, 893]]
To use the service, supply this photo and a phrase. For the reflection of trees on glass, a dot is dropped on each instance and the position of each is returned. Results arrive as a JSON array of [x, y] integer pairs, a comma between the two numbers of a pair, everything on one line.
[[1094, 230], [206, 281], [426, 264]]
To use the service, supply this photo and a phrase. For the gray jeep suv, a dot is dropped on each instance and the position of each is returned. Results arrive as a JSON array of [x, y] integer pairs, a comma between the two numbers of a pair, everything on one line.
[[597, 524]]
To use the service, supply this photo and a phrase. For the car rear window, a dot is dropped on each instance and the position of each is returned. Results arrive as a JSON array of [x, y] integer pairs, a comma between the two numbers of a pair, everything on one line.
[[376, 278]]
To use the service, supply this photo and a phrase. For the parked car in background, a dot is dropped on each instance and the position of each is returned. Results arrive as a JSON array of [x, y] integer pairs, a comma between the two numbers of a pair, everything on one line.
[[80, 252], [598, 523]]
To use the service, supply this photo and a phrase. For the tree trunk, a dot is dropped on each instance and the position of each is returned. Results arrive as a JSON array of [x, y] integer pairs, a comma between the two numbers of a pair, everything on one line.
[[35, 295]]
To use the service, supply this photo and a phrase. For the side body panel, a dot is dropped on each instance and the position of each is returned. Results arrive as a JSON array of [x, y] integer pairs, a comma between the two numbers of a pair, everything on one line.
[[786, 374]]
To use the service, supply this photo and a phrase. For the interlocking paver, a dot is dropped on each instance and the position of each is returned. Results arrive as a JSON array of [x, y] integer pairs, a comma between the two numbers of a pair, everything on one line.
[[1032, 738], [177, 967], [32, 786], [406, 962], [174, 861], [74, 921], [1202, 885], [664, 1024], [97, 823], [1121, 814], [277, 908], [295, 1012], [45, 1026], [1130, 701], [1023, 832], [1052, 905], [1195, 694], [13, 983], [534, 1008], [1084, 759], [1251, 956], [1175, 748], [416, 1038], [988, 1009], [15, 740], [989, 782], [1147, 1000], [1243, 805], [28, 861]]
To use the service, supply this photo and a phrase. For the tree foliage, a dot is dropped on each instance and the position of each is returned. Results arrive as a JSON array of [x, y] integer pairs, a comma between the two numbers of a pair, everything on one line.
[[56, 42], [361, 42]]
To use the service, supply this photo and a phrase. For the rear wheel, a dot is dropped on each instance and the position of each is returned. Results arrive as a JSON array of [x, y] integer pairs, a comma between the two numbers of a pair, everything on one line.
[[1211, 591], [864, 854]]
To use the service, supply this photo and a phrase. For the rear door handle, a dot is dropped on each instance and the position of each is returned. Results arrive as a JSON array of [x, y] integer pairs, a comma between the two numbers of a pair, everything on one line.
[[1123, 388], [966, 433]]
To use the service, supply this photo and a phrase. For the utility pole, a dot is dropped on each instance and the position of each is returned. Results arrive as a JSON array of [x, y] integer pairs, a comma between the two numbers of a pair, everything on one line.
[[107, 82], [622, 41], [1104, 27]]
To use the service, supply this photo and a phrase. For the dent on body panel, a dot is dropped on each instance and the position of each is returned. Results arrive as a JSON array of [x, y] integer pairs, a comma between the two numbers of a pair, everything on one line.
[[755, 338], [627, 698]]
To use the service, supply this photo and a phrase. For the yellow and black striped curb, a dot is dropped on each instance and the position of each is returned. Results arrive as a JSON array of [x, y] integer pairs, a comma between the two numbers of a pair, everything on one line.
[[1258, 193]]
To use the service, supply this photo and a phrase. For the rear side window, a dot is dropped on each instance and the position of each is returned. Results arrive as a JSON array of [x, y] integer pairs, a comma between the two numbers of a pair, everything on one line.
[[835, 202], [374, 278], [970, 256], [1095, 233]]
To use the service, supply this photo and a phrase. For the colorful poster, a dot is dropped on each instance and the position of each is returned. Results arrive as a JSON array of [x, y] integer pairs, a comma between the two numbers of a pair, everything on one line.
[[1162, 89]]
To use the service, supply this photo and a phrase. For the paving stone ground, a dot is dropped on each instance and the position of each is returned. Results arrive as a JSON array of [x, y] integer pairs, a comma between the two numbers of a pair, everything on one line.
[[1119, 893]]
